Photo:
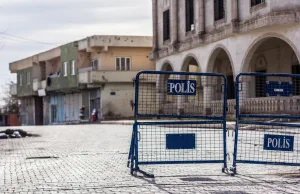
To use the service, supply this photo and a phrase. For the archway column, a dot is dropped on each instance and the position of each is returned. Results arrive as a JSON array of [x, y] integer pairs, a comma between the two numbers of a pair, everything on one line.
[[161, 93], [244, 92], [181, 99], [208, 84]]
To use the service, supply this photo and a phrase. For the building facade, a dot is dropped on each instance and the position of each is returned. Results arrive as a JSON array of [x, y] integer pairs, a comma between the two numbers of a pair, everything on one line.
[[96, 72], [228, 37]]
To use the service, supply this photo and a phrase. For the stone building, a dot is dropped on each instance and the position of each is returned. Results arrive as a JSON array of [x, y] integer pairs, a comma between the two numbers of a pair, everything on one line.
[[228, 37], [96, 72]]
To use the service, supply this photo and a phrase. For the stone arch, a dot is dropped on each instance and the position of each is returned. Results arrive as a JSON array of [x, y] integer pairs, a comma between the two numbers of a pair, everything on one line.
[[189, 59], [167, 66], [220, 61], [258, 42], [213, 56]]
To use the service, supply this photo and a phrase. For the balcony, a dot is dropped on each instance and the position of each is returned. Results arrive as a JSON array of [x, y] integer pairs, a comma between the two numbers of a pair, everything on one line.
[[37, 85], [87, 76], [13, 89]]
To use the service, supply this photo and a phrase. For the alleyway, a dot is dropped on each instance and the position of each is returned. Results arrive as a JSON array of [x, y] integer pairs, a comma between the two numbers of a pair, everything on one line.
[[92, 159]]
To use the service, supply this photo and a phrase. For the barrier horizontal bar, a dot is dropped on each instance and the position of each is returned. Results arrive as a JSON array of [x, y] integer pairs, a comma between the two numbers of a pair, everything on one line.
[[182, 162]]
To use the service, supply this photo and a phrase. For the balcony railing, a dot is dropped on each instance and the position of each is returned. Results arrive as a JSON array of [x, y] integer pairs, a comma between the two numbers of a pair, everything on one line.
[[87, 76], [268, 105]]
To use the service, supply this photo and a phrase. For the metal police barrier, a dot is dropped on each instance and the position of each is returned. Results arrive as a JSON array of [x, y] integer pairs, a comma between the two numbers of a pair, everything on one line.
[[267, 119], [198, 100]]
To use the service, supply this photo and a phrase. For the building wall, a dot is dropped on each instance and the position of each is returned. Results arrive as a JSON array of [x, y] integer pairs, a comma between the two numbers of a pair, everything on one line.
[[139, 58], [86, 103], [27, 111], [25, 89], [72, 105], [83, 59], [68, 53], [118, 105], [239, 17]]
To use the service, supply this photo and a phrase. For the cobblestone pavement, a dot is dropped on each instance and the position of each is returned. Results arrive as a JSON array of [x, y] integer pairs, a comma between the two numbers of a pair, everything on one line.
[[92, 159]]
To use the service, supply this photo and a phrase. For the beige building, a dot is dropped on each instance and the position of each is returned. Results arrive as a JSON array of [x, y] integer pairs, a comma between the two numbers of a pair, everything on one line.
[[96, 72], [229, 37]]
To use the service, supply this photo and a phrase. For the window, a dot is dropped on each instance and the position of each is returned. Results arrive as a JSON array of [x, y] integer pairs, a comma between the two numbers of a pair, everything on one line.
[[260, 82], [256, 2], [219, 9], [123, 63], [28, 78], [73, 66], [65, 69], [118, 64], [94, 64], [21, 79], [189, 15], [166, 25]]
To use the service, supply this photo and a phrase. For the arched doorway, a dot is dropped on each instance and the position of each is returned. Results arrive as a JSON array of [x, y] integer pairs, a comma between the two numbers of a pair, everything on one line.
[[270, 55], [220, 62]]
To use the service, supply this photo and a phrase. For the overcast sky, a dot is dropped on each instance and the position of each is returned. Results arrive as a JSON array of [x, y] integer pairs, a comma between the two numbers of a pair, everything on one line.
[[28, 27]]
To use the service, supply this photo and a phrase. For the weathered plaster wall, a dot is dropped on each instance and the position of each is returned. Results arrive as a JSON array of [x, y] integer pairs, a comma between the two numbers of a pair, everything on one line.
[[139, 58], [119, 104]]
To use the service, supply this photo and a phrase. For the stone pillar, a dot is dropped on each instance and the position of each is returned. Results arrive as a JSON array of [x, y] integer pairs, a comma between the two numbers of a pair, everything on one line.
[[155, 27], [161, 92], [234, 12], [201, 17], [174, 22], [208, 84], [244, 93]]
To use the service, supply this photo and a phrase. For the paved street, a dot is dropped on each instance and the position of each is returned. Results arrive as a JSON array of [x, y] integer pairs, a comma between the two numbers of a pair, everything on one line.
[[92, 159]]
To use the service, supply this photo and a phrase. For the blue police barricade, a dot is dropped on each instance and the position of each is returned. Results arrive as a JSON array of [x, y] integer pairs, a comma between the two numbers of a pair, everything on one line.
[[267, 119], [198, 100]]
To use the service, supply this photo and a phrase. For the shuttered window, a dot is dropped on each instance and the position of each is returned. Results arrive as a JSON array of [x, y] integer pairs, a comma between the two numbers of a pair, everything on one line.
[[219, 10], [123, 63], [189, 15], [73, 66], [65, 69], [94, 64], [166, 25]]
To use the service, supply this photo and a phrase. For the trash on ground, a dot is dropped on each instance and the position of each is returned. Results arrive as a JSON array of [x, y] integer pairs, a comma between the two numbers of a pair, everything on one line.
[[15, 133]]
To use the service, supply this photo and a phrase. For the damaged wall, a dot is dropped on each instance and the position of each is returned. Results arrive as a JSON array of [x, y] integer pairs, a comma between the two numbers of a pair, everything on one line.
[[116, 100]]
